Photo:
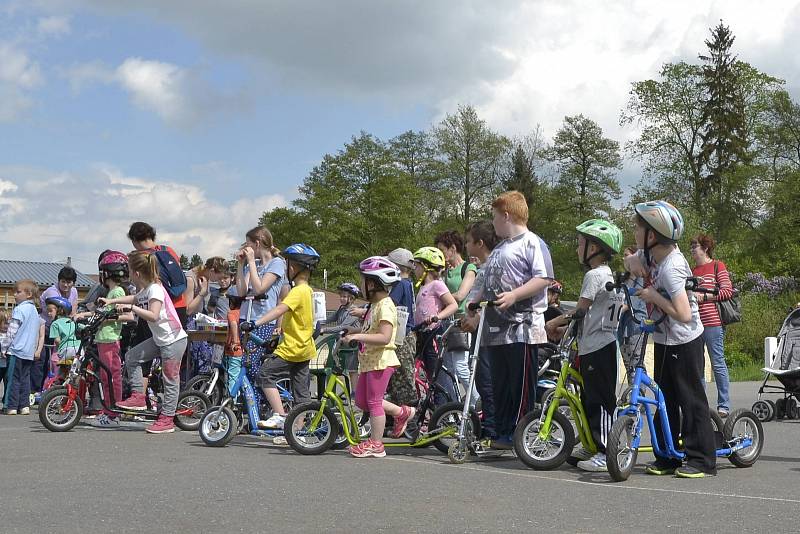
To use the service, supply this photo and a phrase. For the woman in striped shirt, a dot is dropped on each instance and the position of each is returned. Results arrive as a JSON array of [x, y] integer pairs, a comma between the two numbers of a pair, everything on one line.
[[713, 274]]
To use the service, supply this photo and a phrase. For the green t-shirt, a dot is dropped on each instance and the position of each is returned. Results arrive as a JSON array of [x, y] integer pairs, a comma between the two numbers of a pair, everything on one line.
[[63, 328], [453, 279], [111, 332]]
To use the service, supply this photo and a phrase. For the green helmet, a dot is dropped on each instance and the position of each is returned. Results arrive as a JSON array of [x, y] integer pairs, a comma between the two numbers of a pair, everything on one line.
[[431, 256], [605, 232]]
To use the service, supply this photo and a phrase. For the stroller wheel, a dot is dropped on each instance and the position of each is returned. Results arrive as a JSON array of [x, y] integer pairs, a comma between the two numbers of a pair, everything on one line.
[[792, 411], [763, 410], [780, 408]]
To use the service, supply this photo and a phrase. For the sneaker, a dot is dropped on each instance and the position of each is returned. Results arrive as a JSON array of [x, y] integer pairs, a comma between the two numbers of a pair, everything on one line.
[[104, 421], [502, 444], [137, 402], [163, 425], [279, 440], [581, 454], [595, 464], [273, 423], [32, 399], [401, 421], [661, 467], [368, 448], [11, 412], [687, 471], [722, 412], [25, 411]]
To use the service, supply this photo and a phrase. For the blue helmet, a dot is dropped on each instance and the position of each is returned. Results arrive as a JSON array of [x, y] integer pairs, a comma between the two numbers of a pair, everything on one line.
[[303, 254], [351, 288], [60, 302]]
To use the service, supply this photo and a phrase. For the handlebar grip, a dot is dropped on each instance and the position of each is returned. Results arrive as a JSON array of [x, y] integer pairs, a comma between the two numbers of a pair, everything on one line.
[[611, 286], [473, 306], [353, 344]]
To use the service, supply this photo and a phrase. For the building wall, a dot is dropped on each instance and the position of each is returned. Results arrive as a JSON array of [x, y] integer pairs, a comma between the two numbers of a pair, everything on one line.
[[7, 295]]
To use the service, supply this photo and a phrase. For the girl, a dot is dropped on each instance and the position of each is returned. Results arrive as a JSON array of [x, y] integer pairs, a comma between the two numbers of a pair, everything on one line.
[[24, 339], [260, 272], [168, 341], [62, 332], [197, 289], [377, 358], [434, 303]]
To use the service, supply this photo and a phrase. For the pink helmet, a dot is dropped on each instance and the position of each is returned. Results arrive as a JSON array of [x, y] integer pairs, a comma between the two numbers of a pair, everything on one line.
[[114, 263], [380, 268]]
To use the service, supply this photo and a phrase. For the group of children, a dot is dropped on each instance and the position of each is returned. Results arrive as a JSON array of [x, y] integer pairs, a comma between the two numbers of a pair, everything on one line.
[[515, 272]]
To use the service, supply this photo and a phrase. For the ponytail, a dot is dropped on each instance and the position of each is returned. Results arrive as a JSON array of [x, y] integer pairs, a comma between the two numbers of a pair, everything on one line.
[[262, 236], [144, 263]]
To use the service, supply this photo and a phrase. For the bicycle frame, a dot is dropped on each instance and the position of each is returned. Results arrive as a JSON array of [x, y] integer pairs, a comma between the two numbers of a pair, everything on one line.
[[567, 374]]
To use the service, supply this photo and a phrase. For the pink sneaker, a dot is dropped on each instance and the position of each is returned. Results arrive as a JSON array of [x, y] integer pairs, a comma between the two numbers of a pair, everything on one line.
[[163, 425], [137, 401], [401, 421], [368, 448]]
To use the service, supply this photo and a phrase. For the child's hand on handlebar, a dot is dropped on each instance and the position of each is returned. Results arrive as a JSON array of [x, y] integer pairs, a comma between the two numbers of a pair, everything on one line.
[[122, 308], [505, 300], [648, 294]]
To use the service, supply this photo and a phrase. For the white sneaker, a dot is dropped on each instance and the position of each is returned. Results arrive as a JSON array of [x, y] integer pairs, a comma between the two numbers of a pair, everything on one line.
[[581, 454], [596, 464], [279, 440], [104, 421], [273, 423], [25, 411]]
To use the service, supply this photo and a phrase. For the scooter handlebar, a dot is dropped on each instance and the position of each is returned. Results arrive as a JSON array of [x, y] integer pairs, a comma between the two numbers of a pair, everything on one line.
[[474, 306]]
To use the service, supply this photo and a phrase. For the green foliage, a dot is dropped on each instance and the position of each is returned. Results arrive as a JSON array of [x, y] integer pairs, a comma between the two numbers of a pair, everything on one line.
[[762, 317], [196, 261], [184, 261]]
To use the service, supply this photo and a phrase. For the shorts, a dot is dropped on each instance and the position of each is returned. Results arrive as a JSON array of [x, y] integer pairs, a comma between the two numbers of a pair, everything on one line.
[[276, 368]]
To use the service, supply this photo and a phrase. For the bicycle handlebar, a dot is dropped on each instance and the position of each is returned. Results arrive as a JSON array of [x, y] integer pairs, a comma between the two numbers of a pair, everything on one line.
[[473, 306]]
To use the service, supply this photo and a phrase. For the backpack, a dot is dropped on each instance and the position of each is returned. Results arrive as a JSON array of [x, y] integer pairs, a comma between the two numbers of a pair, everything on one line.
[[169, 271]]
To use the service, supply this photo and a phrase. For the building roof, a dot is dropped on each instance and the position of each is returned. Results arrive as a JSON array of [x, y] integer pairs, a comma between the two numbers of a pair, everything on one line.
[[43, 273]]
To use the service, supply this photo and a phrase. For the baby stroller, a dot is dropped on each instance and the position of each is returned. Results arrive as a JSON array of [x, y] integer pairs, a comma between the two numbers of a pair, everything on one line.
[[785, 368]]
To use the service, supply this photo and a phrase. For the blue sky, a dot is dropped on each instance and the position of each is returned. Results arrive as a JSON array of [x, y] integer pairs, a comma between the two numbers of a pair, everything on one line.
[[197, 115]]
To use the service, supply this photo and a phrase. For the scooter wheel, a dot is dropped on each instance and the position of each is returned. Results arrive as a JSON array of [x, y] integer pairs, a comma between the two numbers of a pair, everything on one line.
[[458, 453], [620, 452], [744, 424], [218, 427], [192, 405], [52, 413]]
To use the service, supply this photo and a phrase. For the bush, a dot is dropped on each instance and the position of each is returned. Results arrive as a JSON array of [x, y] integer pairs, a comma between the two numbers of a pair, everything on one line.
[[762, 316]]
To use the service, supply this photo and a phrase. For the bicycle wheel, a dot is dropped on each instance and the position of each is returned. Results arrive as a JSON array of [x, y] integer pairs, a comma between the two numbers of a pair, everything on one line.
[[53, 413], [218, 427], [191, 407], [744, 424], [620, 452], [543, 450], [202, 382], [449, 415], [305, 439]]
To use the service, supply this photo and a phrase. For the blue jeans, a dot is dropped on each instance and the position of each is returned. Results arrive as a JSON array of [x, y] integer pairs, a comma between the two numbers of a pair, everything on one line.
[[714, 338]]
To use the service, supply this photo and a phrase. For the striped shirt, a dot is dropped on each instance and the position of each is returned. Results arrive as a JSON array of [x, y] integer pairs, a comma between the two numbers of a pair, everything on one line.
[[705, 273]]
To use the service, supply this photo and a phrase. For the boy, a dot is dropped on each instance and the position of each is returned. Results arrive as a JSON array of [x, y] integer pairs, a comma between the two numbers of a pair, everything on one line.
[[23, 333], [401, 385], [678, 339], [518, 272], [296, 348], [598, 241]]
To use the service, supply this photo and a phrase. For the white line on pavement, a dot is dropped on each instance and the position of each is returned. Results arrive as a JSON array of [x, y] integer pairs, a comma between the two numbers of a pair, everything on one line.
[[595, 484]]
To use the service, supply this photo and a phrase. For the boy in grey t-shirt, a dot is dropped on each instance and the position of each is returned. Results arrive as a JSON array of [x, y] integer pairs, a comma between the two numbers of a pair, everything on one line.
[[598, 241]]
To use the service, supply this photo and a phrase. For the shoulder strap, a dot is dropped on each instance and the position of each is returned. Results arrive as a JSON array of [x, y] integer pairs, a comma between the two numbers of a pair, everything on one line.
[[464, 269], [716, 272]]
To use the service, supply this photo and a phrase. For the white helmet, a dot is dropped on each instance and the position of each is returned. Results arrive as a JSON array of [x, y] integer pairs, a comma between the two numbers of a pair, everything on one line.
[[402, 257], [381, 269], [663, 218]]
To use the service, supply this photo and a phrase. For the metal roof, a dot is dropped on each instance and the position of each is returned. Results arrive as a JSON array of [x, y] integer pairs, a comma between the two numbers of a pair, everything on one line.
[[43, 273]]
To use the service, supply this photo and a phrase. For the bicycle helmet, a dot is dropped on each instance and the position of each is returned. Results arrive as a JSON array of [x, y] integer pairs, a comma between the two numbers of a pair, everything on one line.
[[113, 263], [602, 232], [61, 303], [381, 269], [430, 257], [401, 257], [350, 288], [662, 217], [303, 254]]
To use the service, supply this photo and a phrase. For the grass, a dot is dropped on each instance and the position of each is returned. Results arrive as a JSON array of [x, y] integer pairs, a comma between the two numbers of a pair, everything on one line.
[[746, 373]]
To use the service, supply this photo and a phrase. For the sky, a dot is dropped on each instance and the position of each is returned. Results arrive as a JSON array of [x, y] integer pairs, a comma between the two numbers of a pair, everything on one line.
[[198, 115]]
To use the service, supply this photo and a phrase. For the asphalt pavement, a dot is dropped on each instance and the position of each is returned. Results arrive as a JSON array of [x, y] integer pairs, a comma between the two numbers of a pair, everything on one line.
[[124, 480]]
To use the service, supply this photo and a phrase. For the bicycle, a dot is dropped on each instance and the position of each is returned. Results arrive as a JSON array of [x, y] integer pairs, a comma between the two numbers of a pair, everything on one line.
[[62, 406], [238, 409], [313, 427], [742, 434]]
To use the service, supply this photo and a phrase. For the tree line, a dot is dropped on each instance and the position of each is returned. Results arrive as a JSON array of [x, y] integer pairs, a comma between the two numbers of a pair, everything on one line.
[[717, 137]]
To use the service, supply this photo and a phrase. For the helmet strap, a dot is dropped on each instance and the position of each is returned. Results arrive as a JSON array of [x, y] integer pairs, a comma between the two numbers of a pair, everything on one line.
[[647, 257], [587, 259]]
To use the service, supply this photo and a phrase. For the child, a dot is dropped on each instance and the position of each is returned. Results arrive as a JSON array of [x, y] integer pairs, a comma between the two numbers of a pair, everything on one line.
[[24, 334], [553, 311], [343, 317], [678, 339], [62, 332], [629, 335], [65, 287], [377, 358], [168, 341], [434, 303], [598, 241], [518, 272], [480, 241], [5, 342], [232, 352], [401, 384], [296, 348], [113, 271]]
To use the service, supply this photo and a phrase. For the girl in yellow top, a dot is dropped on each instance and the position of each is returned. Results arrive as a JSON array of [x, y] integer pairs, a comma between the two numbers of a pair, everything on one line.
[[377, 358]]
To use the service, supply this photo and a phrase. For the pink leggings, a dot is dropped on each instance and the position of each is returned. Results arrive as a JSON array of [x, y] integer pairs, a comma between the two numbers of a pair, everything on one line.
[[370, 390], [109, 355]]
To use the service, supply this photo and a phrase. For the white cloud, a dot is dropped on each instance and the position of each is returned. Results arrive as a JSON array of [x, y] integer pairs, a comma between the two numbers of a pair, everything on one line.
[[18, 76], [41, 226], [54, 26]]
